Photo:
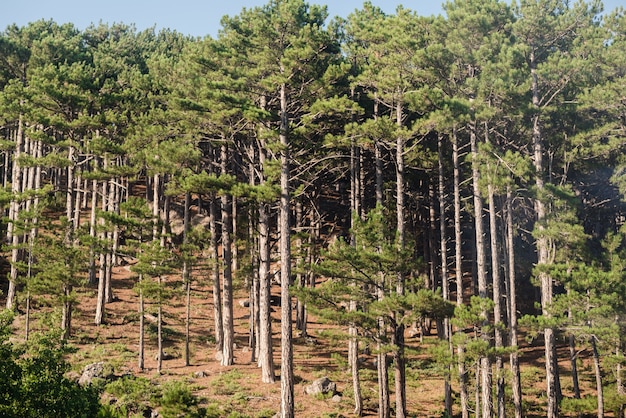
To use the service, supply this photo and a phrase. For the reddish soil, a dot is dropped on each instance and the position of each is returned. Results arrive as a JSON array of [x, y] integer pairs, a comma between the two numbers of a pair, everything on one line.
[[117, 343]]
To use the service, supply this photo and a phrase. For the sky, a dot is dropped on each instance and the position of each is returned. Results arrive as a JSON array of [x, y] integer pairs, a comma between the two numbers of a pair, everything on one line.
[[196, 18]]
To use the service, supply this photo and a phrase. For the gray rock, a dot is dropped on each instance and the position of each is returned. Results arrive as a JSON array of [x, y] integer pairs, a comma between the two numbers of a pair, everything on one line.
[[93, 371], [321, 386], [336, 399], [201, 374], [244, 303]]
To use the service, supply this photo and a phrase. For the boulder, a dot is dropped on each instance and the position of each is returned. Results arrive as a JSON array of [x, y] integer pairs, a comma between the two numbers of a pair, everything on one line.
[[93, 371], [321, 386]]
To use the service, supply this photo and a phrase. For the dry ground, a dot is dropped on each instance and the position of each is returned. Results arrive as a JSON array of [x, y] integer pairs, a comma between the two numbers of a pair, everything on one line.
[[238, 388]]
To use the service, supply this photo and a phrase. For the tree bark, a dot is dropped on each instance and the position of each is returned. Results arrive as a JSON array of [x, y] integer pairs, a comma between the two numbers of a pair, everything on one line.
[[287, 404], [542, 246], [227, 285], [186, 273], [14, 209], [458, 267], [266, 356], [481, 270], [497, 302], [516, 384], [398, 331], [266, 352], [443, 241], [598, 373], [215, 276]]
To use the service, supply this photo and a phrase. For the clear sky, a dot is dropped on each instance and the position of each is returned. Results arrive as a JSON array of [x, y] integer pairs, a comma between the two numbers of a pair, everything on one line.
[[190, 17]]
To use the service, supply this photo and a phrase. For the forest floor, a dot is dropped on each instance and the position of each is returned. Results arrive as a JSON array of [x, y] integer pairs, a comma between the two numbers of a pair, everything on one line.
[[238, 389]]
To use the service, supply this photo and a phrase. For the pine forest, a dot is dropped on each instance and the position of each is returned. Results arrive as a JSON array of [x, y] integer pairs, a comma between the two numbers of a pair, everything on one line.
[[388, 215]]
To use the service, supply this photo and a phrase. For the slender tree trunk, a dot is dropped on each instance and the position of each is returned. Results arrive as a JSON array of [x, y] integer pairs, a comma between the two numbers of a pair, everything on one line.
[[497, 300], [598, 372], [227, 285], [458, 267], [542, 247], [14, 208], [287, 404], [384, 409], [266, 352], [70, 196], [141, 356], [516, 384], [66, 315], [266, 356], [481, 270], [619, 380], [573, 357], [102, 274], [187, 276], [92, 232], [215, 276], [110, 207], [400, 372], [235, 250], [160, 331], [353, 343], [443, 240]]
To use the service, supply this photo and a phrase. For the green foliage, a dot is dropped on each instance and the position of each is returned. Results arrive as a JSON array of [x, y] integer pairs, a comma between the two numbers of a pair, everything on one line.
[[133, 394], [33, 382], [178, 400], [583, 406], [227, 383]]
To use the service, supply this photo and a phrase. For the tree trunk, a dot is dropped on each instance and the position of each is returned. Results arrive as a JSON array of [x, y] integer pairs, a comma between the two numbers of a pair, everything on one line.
[[227, 285], [542, 246], [458, 268], [287, 404], [266, 356], [598, 372], [14, 208], [142, 319], [573, 356], [384, 409], [443, 241], [481, 271], [110, 207], [66, 315], [186, 273], [92, 231], [215, 276], [516, 384], [497, 302], [101, 300], [160, 331], [353, 343]]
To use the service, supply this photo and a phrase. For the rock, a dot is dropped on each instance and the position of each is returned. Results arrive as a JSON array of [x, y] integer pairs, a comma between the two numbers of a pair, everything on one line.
[[93, 371], [153, 319], [219, 356], [336, 399], [164, 356], [201, 374], [244, 303], [321, 386]]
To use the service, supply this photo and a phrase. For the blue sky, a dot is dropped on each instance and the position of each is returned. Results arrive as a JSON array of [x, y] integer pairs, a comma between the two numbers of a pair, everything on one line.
[[190, 17]]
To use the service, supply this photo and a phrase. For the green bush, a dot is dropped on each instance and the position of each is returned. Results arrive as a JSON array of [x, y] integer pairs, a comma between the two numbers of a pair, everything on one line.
[[133, 394], [33, 382], [177, 400]]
